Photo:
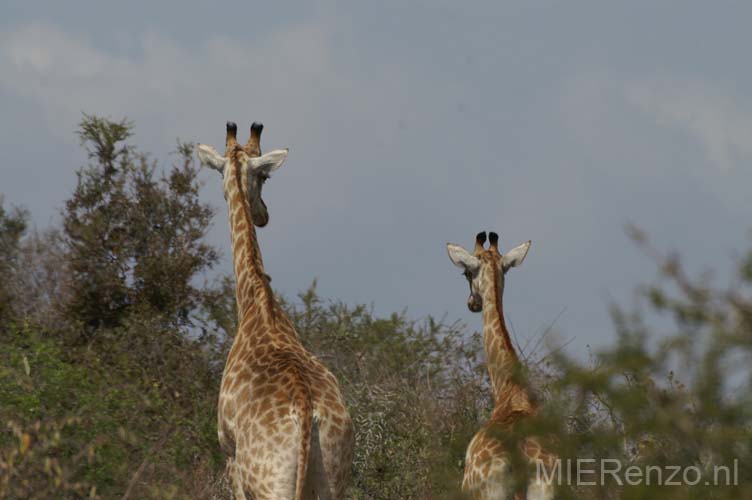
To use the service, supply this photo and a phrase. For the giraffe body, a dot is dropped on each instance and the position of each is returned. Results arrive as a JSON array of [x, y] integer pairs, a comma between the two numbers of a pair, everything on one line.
[[488, 472], [488, 469], [281, 417]]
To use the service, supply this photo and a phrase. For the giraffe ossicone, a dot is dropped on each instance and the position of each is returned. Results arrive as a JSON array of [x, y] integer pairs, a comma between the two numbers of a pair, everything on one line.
[[488, 463], [281, 417]]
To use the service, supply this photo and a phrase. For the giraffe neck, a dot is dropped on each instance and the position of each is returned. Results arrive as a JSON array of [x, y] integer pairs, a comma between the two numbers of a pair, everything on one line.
[[251, 286], [504, 367]]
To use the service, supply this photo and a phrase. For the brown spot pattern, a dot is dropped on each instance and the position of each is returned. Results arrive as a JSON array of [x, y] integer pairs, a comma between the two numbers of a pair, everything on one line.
[[487, 472], [274, 395]]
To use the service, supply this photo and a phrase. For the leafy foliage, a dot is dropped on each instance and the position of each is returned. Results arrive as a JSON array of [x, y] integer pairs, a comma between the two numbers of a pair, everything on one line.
[[12, 228], [681, 401], [415, 391], [135, 241]]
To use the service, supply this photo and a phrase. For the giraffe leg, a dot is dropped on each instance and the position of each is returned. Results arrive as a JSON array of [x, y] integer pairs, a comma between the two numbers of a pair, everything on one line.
[[537, 489], [236, 480], [334, 457]]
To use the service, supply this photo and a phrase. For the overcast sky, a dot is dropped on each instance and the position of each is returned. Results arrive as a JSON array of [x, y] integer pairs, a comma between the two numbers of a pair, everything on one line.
[[413, 125]]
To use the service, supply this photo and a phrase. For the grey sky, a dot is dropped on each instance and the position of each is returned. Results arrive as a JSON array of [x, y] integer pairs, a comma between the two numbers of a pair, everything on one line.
[[414, 125]]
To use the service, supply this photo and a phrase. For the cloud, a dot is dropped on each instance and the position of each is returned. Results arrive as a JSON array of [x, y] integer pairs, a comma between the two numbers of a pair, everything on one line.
[[295, 79], [67, 74], [395, 149], [718, 121], [336, 111]]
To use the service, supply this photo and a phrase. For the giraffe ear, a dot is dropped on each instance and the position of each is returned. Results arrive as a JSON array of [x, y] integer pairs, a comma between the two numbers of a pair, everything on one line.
[[209, 157], [515, 256], [462, 258], [270, 161]]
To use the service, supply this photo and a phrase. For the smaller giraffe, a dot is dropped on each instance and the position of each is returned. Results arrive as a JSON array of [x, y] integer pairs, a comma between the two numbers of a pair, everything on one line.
[[488, 469]]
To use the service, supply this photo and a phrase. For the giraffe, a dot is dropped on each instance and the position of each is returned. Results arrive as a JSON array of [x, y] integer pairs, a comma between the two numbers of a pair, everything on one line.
[[282, 420], [488, 468]]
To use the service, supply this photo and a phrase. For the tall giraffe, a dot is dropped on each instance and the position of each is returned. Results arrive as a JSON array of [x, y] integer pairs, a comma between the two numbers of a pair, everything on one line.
[[488, 473], [282, 420]]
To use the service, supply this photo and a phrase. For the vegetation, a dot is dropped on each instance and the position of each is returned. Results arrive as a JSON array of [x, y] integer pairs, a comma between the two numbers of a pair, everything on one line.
[[683, 406], [112, 344]]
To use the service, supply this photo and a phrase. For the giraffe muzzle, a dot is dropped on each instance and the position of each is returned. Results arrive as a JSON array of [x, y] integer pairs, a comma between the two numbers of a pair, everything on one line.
[[475, 304], [259, 213]]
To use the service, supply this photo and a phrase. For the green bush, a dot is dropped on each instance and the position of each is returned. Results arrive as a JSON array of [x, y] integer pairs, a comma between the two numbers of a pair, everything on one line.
[[135, 241], [12, 228], [679, 400], [415, 391]]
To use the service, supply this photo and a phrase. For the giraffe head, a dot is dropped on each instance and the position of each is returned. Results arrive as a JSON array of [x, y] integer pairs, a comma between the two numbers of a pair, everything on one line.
[[247, 163], [485, 267]]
